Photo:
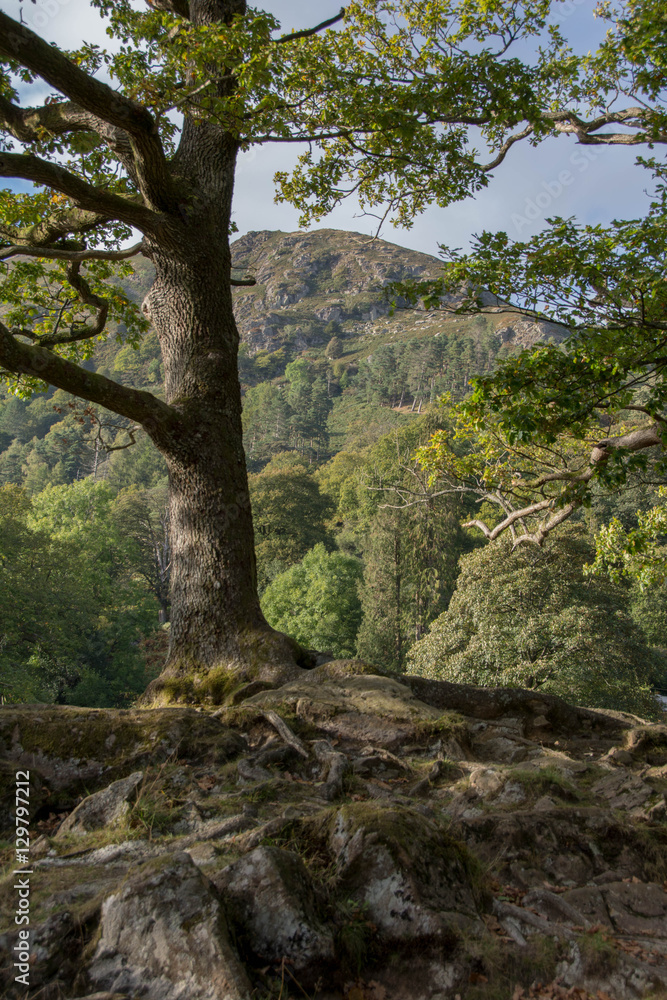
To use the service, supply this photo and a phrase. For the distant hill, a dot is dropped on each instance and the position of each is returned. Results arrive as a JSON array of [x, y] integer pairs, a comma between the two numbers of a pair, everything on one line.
[[310, 287], [306, 281]]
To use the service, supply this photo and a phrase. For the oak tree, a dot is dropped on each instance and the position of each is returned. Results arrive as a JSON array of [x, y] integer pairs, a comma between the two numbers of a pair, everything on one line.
[[388, 99]]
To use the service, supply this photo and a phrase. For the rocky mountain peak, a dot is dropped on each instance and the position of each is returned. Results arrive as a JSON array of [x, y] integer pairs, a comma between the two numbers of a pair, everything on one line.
[[307, 281]]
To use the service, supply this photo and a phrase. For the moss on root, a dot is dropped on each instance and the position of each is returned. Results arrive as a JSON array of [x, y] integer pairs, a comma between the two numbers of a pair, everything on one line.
[[262, 657], [449, 725], [92, 734], [192, 687]]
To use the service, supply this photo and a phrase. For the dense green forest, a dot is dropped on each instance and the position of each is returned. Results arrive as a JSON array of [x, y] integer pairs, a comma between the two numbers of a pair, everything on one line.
[[410, 478], [84, 570]]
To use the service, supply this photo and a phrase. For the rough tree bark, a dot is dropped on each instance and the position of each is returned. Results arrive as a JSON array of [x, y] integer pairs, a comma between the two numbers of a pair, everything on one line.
[[216, 619]]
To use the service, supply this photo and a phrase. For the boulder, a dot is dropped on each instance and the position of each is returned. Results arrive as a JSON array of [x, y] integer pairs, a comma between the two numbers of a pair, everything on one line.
[[104, 808], [274, 904], [637, 908], [624, 790], [163, 936], [413, 880]]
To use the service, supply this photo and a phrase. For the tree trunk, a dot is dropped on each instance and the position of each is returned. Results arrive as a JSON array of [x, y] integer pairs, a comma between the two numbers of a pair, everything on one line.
[[219, 637], [398, 647]]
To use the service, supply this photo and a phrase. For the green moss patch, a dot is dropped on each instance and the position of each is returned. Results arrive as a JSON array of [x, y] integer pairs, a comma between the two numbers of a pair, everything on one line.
[[648, 743], [547, 780], [79, 889], [75, 751]]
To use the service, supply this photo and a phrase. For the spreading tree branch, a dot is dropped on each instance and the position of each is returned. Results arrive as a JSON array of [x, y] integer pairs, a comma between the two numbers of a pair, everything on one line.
[[62, 118], [55, 119], [17, 358], [60, 225], [636, 440], [558, 508], [79, 256], [19, 43], [518, 515], [569, 122], [87, 196]]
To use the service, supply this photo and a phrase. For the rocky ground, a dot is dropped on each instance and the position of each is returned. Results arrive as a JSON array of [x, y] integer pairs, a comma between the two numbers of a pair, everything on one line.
[[344, 836]]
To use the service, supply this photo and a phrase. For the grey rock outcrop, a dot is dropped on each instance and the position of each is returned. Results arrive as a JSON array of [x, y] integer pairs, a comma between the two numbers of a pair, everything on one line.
[[308, 280], [276, 909], [103, 808], [350, 835], [163, 937]]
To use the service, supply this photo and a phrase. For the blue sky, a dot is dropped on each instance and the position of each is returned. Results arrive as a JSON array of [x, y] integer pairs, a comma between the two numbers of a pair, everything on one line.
[[557, 178]]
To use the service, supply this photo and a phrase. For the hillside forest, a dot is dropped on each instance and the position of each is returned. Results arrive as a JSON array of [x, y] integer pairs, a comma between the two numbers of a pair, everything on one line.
[[339, 392]]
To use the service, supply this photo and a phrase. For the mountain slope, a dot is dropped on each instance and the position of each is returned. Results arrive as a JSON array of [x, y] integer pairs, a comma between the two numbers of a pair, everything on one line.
[[311, 286], [306, 281]]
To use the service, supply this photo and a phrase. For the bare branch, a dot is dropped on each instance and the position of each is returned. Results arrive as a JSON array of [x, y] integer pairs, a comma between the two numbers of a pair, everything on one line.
[[71, 255], [538, 537], [130, 431], [637, 440], [559, 507], [307, 32], [505, 148], [642, 409], [492, 533], [569, 122]]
